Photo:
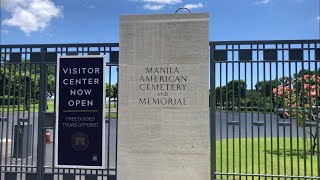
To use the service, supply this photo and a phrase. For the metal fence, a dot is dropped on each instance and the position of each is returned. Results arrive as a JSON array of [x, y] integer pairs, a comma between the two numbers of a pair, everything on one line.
[[264, 109], [27, 111]]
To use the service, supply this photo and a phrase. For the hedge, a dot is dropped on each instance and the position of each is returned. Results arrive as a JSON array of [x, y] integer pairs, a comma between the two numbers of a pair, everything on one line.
[[268, 109], [13, 100]]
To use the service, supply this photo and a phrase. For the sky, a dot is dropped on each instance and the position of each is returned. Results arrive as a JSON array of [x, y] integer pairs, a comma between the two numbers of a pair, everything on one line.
[[84, 21], [97, 21]]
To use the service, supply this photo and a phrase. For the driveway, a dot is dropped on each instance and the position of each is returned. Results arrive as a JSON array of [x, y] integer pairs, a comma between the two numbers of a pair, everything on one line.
[[270, 125]]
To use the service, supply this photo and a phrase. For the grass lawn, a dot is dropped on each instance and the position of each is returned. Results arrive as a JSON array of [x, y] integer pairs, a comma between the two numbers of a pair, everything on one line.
[[113, 115], [248, 110], [33, 107], [36, 107], [262, 164]]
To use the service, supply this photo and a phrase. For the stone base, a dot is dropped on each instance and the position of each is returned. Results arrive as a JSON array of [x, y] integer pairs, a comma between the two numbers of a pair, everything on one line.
[[6, 147]]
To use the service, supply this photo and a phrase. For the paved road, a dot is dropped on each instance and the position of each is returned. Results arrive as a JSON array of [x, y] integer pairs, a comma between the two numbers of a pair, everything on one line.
[[246, 129]]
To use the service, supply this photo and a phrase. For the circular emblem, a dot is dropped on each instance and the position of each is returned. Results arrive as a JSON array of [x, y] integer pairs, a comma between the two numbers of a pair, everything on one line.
[[79, 141]]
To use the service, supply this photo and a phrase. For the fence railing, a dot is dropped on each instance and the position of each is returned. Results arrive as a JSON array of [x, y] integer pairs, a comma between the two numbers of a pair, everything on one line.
[[27, 105], [264, 109]]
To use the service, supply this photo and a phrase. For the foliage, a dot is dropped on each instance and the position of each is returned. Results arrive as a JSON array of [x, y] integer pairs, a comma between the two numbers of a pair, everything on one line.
[[10, 100], [23, 80], [109, 90], [254, 98], [19, 81], [115, 90], [303, 72], [236, 91], [221, 96], [300, 98], [264, 87], [51, 82]]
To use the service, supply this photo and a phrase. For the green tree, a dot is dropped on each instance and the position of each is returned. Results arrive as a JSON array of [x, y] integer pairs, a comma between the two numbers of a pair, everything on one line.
[[301, 100], [115, 91], [109, 90], [51, 83], [236, 91], [19, 83], [303, 72], [252, 97], [265, 87], [220, 93]]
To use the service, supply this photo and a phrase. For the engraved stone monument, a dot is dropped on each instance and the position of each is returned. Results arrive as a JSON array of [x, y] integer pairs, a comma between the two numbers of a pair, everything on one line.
[[163, 97]]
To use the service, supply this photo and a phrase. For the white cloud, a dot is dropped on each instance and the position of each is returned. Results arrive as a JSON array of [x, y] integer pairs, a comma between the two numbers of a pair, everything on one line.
[[263, 1], [30, 15], [153, 7], [318, 18], [156, 4], [11, 4], [194, 6], [163, 1]]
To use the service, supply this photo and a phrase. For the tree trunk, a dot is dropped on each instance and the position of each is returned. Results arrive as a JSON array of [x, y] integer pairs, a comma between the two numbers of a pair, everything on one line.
[[314, 147]]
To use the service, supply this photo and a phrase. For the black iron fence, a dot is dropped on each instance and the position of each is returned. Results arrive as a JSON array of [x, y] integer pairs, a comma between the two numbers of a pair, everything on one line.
[[27, 111], [265, 109]]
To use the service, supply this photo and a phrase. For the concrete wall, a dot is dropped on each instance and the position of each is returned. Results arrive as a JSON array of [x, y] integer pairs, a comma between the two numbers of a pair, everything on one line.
[[163, 97]]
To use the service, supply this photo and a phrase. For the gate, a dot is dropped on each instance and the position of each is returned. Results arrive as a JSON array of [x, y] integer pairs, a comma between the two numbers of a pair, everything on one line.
[[27, 111], [264, 109]]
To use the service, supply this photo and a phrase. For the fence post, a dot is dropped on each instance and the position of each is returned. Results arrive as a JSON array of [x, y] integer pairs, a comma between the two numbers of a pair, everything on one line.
[[42, 96], [212, 101]]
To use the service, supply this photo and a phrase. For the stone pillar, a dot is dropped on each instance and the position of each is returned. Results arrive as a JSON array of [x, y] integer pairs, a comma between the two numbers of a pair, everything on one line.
[[6, 147], [163, 97]]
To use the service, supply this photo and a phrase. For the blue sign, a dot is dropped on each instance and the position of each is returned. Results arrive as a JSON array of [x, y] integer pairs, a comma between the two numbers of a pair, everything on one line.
[[80, 112]]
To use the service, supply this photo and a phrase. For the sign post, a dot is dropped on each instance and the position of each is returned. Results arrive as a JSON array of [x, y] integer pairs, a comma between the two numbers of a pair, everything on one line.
[[80, 104]]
